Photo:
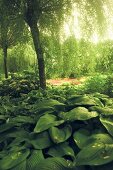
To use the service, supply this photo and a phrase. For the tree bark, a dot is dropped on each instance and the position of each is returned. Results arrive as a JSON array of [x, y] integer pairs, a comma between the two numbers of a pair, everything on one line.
[[39, 52], [5, 61], [32, 15]]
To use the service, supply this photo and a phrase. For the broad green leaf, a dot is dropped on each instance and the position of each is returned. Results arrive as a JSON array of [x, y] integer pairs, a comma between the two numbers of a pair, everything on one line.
[[60, 135], [95, 154], [6, 126], [78, 113], [21, 166], [102, 110], [83, 100], [40, 141], [61, 150], [22, 119], [108, 124], [35, 157], [3, 117], [47, 121], [49, 104], [13, 159], [83, 138], [99, 95], [55, 164]]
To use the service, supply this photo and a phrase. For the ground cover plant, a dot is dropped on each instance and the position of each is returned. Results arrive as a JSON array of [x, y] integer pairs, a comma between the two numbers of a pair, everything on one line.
[[56, 129]]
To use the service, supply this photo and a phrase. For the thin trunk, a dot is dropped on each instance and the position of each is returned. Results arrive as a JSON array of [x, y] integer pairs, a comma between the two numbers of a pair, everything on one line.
[[39, 53], [5, 61], [31, 17]]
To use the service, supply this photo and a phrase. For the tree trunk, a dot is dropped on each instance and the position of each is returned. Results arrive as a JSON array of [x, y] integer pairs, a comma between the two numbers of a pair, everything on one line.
[[39, 53], [32, 15], [5, 61]]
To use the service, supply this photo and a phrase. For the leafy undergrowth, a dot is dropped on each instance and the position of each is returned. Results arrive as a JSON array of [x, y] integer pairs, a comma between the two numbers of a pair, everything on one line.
[[56, 129], [18, 84]]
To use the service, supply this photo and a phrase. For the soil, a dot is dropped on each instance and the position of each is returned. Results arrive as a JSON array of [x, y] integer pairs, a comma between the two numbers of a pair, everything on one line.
[[60, 81]]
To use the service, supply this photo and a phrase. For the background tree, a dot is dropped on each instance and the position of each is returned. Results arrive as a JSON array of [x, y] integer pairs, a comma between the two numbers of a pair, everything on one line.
[[10, 33]]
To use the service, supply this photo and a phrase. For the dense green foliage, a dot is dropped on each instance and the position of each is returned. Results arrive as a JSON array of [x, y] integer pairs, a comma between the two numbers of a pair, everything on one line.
[[66, 127], [54, 128], [57, 58]]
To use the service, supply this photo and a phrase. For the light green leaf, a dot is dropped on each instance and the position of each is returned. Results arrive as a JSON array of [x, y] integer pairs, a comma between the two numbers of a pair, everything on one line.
[[22, 119], [95, 154], [60, 135], [78, 113], [55, 164], [83, 138], [13, 159], [84, 100], [108, 124], [107, 111], [47, 121]]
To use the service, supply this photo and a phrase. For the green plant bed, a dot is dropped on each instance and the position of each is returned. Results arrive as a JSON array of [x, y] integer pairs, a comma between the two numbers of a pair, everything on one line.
[[18, 84], [69, 132]]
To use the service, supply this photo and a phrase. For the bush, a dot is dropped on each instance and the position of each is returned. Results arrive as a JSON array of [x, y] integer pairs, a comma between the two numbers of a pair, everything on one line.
[[97, 83], [19, 84]]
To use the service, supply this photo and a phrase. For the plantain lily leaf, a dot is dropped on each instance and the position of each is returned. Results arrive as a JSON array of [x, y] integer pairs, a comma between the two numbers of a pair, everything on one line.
[[22, 119], [40, 141], [21, 166], [102, 110], [108, 124], [55, 164], [47, 121], [95, 154], [49, 104], [60, 135], [13, 159], [83, 138], [78, 113], [6, 126], [3, 117], [34, 159], [61, 150], [84, 100]]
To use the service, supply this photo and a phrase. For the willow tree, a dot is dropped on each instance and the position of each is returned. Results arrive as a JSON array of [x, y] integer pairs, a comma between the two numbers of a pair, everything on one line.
[[36, 14], [10, 32]]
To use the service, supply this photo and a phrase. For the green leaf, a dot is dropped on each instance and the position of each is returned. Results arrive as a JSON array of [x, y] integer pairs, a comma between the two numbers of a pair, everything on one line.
[[61, 150], [95, 154], [78, 113], [6, 126], [35, 157], [47, 121], [84, 100], [102, 110], [13, 159], [60, 135], [40, 141], [22, 119], [54, 164], [48, 104], [21, 166], [108, 124], [83, 138]]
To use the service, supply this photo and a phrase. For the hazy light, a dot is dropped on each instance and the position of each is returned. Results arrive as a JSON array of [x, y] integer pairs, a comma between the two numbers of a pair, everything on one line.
[[72, 26], [95, 38]]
